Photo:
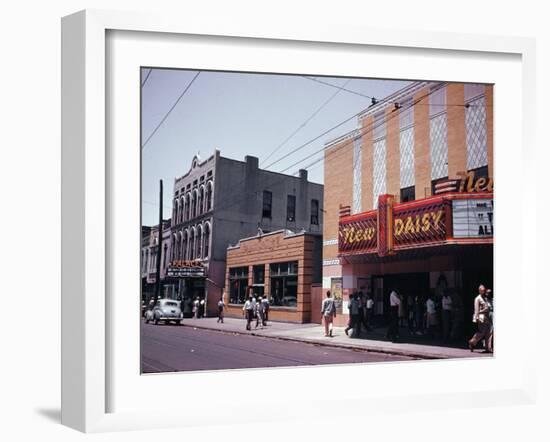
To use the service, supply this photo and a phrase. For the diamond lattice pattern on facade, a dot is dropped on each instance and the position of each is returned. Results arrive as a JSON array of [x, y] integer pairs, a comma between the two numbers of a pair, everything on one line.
[[406, 147], [476, 134], [357, 163], [379, 170], [438, 146]]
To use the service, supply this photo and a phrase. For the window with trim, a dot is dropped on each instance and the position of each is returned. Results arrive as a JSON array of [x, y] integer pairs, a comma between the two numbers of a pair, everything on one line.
[[238, 282], [258, 280], [284, 284], [267, 204], [291, 208], [407, 194], [314, 212]]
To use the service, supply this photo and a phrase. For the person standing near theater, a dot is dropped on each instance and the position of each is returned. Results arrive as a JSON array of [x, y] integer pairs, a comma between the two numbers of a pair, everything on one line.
[[370, 310], [355, 316], [431, 316], [482, 319], [393, 329], [446, 314], [328, 313]]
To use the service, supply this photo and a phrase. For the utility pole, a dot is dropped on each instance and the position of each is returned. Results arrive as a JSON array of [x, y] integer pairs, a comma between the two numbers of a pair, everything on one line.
[[159, 250]]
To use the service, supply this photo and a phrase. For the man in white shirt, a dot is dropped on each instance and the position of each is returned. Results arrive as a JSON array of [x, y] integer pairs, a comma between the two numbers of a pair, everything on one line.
[[248, 311], [393, 329], [370, 310], [446, 314]]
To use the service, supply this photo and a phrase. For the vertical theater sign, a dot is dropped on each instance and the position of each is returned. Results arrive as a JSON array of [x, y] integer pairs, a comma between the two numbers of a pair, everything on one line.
[[464, 214]]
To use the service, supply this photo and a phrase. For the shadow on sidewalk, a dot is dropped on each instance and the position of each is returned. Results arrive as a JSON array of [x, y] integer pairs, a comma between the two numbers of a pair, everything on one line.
[[410, 337]]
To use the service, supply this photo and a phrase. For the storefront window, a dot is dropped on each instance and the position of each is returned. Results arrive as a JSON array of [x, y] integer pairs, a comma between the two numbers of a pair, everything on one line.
[[258, 280], [238, 281], [284, 284]]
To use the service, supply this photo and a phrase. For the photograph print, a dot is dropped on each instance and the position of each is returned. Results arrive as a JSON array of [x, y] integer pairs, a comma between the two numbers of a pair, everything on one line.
[[303, 220]]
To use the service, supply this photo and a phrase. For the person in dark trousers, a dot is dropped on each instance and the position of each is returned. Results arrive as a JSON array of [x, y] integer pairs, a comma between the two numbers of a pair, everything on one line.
[[201, 308], [355, 316], [446, 314], [363, 309], [265, 303], [248, 311], [393, 329], [221, 307], [370, 311], [419, 315]]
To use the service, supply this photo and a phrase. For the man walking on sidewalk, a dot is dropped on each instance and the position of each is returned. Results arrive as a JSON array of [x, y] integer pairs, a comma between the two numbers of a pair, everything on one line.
[[221, 307], [248, 311], [393, 329], [328, 313], [259, 310]]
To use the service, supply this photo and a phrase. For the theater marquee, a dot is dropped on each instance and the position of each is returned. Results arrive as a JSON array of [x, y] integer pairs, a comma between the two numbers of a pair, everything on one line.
[[446, 219]]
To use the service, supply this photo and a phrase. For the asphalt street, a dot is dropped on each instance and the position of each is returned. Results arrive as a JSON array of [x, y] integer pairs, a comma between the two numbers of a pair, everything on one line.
[[166, 348]]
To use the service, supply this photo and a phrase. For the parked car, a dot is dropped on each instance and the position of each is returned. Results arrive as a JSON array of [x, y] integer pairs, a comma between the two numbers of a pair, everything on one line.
[[166, 310]]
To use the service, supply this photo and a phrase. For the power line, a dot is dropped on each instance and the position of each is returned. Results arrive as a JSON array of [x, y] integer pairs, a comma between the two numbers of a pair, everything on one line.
[[147, 77], [385, 100], [366, 130], [369, 129], [341, 88], [304, 123], [170, 110]]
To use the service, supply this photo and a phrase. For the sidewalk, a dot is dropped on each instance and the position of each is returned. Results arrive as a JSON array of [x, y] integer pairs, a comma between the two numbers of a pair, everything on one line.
[[314, 334]]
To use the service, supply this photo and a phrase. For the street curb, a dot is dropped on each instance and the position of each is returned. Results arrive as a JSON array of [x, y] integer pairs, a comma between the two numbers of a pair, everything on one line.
[[396, 352]]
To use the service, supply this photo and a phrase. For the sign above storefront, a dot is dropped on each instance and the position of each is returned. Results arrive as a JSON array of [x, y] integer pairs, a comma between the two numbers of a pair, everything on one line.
[[473, 218], [433, 221], [358, 235], [186, 269]]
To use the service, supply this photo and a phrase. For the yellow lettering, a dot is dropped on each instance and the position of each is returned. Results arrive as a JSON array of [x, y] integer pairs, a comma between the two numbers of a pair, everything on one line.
[[436, 216], [480, 184], [425, 222], [409, 226], [398, 227]]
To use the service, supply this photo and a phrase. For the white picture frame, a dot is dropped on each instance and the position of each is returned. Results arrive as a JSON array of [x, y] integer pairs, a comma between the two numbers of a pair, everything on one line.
[[87, 352]]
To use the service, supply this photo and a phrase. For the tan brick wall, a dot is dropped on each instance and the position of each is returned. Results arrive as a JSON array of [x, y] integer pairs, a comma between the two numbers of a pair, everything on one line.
[[271, 249], [366, 167], [338, 189], [456, 129], [393, 169], [489, 114], [422, 165]]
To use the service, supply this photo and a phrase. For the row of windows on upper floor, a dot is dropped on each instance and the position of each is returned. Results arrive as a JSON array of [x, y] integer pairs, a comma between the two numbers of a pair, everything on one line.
[[195, 183], [267, 208], [185, 245], [193, 204]]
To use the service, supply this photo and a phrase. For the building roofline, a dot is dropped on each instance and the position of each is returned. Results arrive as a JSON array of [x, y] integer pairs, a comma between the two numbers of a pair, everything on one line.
[[287, 234]]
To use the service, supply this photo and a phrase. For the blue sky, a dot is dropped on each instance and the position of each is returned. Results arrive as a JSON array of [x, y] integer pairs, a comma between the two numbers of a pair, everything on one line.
[[241, 114]]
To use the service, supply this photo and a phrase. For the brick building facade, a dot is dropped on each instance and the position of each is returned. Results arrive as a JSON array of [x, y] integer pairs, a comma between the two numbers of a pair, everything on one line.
[[411, 148], [281, 266]]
